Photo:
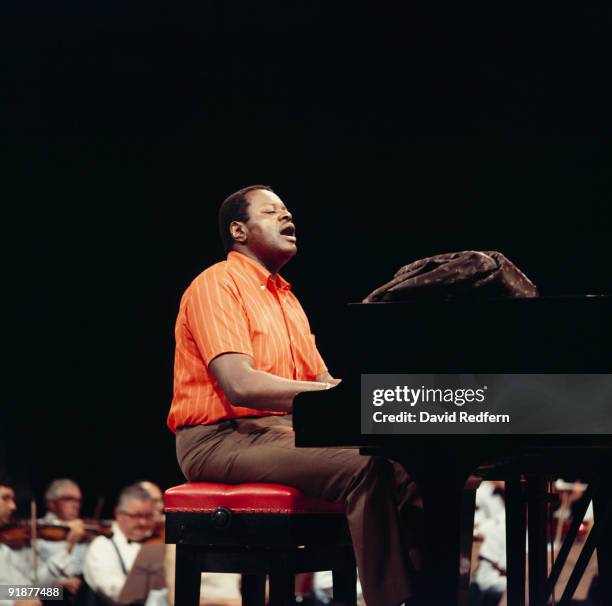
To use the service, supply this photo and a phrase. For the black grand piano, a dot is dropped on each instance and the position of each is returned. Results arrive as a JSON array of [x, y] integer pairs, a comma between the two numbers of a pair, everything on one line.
[[570, 334]]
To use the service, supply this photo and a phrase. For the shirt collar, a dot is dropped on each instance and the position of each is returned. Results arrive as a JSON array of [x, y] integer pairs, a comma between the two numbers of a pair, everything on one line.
[[118, 534], [256, 270], [50, 517]]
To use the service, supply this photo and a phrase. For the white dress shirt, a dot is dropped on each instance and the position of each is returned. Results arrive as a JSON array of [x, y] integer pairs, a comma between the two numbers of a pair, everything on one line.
[[17, 568], [490, 521], [103, 570], [50, 551], [488, 575]]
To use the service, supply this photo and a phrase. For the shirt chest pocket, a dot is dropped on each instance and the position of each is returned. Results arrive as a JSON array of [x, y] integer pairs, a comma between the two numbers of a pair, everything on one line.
[[262, 326], [271, 347]]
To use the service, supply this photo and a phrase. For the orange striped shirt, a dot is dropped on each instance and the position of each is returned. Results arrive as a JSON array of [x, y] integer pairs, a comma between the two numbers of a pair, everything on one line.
[[236, 306]]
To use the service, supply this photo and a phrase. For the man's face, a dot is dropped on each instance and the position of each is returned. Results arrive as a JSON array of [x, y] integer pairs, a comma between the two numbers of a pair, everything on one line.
[[157, 498], [270, 232], [7, 504], [68, 505], [135, 519]]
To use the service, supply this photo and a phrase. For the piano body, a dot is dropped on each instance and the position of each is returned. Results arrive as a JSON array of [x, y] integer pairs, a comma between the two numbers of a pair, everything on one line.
[[543, 335]]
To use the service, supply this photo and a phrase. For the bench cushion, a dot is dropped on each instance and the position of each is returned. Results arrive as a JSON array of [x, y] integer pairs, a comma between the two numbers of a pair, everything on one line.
[[204, 497]]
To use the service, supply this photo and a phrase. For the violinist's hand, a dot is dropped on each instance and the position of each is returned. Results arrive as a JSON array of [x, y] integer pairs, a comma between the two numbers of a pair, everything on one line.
[[71, 584], [76, 532]]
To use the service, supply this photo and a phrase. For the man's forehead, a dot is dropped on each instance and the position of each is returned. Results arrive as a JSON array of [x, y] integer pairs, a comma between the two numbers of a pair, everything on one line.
[[69, 489], [138, 504], [261, 197], [6, 492]]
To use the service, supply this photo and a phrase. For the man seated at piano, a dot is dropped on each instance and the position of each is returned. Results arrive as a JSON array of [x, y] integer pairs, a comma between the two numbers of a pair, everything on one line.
[[244, 350], [109, 560], [19, 564], [63, 501]]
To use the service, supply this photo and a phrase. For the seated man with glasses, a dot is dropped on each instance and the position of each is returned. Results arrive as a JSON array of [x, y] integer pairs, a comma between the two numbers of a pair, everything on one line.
[[158, 502], [110, 560], [63, 500]]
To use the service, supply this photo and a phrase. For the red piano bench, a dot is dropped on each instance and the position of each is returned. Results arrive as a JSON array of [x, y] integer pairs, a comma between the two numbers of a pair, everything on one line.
[[257, 530]]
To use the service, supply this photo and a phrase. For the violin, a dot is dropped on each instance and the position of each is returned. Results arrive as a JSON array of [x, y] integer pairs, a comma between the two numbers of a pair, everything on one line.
[[18, 533]]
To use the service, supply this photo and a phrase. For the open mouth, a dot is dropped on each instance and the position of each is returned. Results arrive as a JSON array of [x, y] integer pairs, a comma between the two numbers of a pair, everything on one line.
[[289, 232]]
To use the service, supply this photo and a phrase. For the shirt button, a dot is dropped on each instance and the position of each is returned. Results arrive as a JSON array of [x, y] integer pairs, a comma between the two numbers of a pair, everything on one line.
[[292, 339], [263, 287]]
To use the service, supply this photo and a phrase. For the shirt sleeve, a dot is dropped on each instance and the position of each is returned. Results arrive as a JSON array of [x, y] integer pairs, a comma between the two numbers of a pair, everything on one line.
[[217, 319], [102, 570], [54, 560], [17, 568], [74, 567], [5, 572]]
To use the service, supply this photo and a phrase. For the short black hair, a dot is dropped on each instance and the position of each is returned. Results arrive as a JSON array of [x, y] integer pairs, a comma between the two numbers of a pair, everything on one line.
[[6, 479], [235, 208]]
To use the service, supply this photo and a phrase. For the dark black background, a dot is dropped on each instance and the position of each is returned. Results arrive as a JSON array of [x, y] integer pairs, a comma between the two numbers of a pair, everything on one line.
[[392, 131]]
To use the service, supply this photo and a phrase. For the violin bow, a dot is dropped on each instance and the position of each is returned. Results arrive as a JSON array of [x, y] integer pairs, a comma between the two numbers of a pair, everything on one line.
[[98, 510], [33, 529]]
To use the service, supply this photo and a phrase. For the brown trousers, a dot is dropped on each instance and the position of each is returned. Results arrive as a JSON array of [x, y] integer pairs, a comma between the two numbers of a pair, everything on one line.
[[378, 493]]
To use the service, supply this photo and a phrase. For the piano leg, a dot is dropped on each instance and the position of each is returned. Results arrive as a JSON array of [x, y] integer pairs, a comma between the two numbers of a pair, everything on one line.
[[468, 508], [536, 513], [515, 540], [602, 509]]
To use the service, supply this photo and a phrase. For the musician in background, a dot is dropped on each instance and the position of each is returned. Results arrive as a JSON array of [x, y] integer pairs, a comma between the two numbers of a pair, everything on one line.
[[490, 523], [63, 501], [109, 560], [158, 501], [17, 563], [244, 350]]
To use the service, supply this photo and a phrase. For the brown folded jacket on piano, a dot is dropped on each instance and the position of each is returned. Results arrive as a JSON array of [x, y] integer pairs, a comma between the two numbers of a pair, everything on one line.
[[457, 275]]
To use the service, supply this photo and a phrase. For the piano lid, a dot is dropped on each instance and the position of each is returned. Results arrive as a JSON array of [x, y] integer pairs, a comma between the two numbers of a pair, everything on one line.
[[570, 334], [545, 334]]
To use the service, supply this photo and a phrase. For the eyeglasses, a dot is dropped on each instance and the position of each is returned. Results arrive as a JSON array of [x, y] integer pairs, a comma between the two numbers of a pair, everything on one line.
[[135, 516], [70, 499]]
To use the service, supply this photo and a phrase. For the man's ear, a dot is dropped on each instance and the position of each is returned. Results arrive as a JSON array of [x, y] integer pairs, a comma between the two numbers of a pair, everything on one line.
[[238, 230]]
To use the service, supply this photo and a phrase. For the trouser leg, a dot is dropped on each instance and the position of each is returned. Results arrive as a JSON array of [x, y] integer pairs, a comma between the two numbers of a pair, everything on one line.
[[382, 544], [264, 450]]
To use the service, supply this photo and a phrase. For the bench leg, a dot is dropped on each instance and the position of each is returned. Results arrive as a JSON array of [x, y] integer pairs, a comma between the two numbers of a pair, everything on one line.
[[253, 589], [188, 574], [516, 525], [345, 586], [282, 588]]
